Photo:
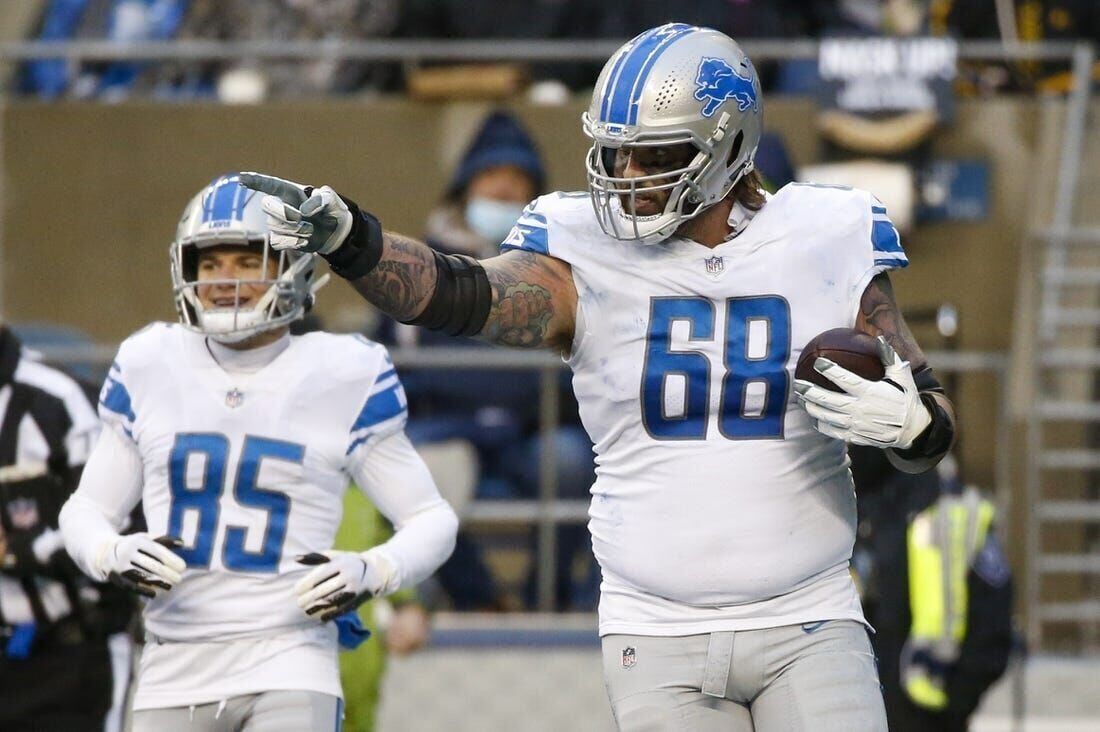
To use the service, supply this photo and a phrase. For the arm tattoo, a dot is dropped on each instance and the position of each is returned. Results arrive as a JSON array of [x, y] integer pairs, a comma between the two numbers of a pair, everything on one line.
[[404, 279], [879, 315], [531, 304], [533, 295]]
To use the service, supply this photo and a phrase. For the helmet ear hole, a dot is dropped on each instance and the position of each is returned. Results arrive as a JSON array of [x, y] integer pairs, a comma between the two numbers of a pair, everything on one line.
[[738, 141]]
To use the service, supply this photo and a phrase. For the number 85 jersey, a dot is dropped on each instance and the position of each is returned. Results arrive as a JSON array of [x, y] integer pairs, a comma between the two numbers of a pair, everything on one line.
[[716, 506], [248, 469]]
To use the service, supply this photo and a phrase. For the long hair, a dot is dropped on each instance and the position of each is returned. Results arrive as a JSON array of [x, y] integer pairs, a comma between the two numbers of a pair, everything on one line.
[[749, 191]]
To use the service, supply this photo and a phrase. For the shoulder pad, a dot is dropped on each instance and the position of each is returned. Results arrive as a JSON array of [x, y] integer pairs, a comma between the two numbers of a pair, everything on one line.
[[146, 344], [560, 209], [349, 357]]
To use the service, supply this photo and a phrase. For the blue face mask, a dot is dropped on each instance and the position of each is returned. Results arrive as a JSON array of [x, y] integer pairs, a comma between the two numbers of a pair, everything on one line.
[[492, 219]]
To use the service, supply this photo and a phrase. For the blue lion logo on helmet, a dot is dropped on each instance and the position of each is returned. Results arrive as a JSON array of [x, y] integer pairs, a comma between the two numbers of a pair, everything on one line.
[[717, 81]]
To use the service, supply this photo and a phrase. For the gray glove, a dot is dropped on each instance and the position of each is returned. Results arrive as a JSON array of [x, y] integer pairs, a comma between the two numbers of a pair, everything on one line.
[[301, 218]]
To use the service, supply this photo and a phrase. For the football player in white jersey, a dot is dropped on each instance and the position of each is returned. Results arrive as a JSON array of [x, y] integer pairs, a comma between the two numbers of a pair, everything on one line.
[[240, 441], [682, 295]]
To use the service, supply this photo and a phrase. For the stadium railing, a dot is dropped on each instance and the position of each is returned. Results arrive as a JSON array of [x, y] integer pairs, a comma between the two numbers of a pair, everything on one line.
[[548, 511], [415, 51]]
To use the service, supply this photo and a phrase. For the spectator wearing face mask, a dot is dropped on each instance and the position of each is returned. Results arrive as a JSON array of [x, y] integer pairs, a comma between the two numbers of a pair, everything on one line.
[[497, 411], [500, 174]]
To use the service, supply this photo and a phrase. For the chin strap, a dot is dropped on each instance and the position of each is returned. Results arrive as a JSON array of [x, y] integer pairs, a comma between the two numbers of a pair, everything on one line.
[[740, 217]]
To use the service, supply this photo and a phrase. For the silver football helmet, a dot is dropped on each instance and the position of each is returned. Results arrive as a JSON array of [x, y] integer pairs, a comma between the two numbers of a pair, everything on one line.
[[671, 85], [225, 213]]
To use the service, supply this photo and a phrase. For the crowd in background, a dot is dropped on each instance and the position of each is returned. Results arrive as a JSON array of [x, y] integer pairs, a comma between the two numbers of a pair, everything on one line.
[[612, 20], [494, 414]]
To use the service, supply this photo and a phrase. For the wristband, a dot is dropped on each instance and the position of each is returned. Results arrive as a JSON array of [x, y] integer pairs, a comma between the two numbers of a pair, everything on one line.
[[362, 250]]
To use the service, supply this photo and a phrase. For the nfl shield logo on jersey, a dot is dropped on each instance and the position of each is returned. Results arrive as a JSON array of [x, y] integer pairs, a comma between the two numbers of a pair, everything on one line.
[[629, 657], [715, 266], [234, 398]]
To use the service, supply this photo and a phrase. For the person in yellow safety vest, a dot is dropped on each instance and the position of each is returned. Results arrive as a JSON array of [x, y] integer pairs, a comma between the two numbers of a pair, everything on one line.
[[935, 585]]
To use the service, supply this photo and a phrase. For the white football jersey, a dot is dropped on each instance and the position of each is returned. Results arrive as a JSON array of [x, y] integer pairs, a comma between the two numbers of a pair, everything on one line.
[[717, 505], [249, 470]]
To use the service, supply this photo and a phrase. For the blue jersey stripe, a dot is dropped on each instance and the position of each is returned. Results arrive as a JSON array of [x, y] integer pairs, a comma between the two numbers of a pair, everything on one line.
[[357, 443], [531, 218], [117, 400], [899, 263], [884, 237], [528, 238], [379, 407], [622, 93]]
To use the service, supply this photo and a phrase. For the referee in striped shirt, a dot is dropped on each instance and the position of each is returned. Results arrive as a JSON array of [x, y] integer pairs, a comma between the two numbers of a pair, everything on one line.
[[55, 655]]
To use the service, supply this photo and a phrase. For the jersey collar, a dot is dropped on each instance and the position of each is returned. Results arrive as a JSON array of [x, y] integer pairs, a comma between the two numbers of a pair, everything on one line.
[[247, 361]]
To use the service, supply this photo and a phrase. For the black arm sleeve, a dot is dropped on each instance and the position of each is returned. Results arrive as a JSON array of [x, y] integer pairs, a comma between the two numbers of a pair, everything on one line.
[[362, 250], [462, 298]]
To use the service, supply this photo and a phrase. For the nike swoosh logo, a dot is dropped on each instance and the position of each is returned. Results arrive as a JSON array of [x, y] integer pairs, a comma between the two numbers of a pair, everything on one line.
[[808, 628]]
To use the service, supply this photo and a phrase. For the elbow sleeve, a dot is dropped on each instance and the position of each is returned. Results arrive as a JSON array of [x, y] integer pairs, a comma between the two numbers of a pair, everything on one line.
[[462, 298]]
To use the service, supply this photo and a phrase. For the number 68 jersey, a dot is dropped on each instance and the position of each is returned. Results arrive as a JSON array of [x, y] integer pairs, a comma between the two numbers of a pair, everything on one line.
[[717, 505], [248, 469]]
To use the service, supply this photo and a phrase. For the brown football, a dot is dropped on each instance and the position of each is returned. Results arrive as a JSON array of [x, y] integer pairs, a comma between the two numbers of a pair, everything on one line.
[[852, 349]]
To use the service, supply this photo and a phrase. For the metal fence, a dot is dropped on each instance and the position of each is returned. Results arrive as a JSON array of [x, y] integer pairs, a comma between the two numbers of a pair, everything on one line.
[[419, 51]]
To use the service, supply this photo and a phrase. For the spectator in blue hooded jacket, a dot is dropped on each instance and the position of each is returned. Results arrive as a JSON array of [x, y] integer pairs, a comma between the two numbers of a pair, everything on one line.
[[499, 174], [497, 411]]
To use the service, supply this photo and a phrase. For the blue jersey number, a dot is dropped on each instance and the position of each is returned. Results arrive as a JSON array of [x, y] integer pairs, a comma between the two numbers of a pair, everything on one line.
[[755, 385], [203, 500]]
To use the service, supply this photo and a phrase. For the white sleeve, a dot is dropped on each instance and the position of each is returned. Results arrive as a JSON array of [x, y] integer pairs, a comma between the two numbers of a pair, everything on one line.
[[109, 489], [84, 430], [116, 407], [394, 477]]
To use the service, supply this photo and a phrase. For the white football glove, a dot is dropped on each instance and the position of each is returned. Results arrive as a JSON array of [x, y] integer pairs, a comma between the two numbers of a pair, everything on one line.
[[887, 413], [301, 218], [340, 581], [143, 564]]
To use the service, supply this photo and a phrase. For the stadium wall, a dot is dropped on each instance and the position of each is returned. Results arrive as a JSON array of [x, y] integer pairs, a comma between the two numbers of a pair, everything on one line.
[[92, 193]]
